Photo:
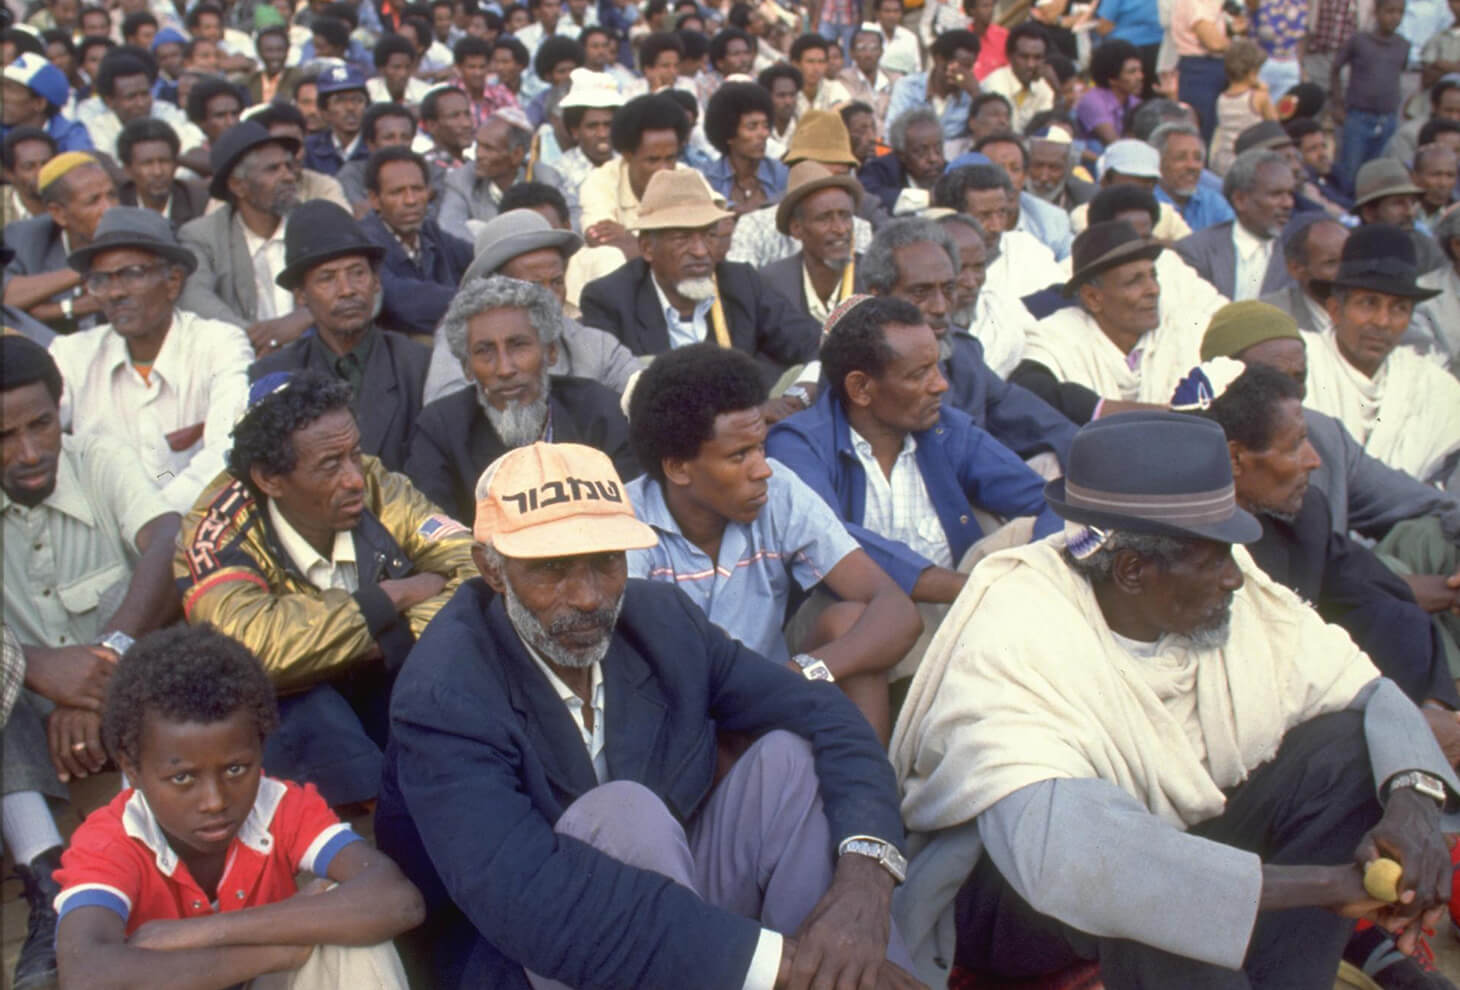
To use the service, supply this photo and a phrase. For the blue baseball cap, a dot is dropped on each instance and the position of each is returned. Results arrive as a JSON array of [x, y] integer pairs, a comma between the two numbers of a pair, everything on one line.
[[42, 78], [339, 78], [168, 36]]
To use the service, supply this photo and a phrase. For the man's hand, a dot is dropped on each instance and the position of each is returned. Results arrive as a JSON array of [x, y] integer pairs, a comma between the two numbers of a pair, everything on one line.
[[407, 593], [71, 676], [268, 336], [612, 233], [777, 409], [843, 942], [1409, 833], [1435, 592], [74, 738]]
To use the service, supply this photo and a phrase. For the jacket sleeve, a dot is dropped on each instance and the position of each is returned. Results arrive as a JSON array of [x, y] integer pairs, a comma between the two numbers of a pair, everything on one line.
[[434, 542], [993, 477], [784, 333], [794, 449], [455, 210], [1022, 421], [1076, 402], [429, 467], [1380, 496], [413, 304], [200, 293], [597, 313]]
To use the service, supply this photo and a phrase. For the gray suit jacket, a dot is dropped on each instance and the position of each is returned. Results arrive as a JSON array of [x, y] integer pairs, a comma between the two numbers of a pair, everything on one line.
[[467, 197], [785, 277], [222, 287], [1290, 301], [39, 248], [1211, 253]]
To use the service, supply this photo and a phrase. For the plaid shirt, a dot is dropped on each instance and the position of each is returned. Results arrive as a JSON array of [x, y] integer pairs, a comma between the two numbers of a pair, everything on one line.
[[494, 97], [840, 12], [756, 240], [12, 673], [1336, 22]]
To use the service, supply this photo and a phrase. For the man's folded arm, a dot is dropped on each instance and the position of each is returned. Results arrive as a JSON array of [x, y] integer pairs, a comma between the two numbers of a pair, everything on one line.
[[1400, 739]]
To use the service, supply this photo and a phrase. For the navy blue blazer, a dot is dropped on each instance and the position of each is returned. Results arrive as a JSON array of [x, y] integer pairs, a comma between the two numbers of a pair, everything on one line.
[[484, 758], [961, 464], [1017, 418], [416, 294], [321, 155], [884, 177]]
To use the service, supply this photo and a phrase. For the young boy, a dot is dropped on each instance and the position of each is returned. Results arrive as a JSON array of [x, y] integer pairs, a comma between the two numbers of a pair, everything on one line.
[[1369, 109], [187, 878]]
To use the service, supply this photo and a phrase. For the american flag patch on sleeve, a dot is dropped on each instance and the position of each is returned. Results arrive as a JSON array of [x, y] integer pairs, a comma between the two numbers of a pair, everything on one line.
[[438, 526]]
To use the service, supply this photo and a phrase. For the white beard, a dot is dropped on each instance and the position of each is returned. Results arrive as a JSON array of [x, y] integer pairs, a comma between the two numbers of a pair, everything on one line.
[[540, 638], [519, 425], [696, 289]]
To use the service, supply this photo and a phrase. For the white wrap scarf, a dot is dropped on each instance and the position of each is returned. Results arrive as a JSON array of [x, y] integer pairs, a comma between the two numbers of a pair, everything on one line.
[[1025, 682]]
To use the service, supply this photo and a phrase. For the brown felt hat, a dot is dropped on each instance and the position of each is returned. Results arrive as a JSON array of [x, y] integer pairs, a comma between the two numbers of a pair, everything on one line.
[[679, 198], [810, 177], [1103, 246], [821, 136]]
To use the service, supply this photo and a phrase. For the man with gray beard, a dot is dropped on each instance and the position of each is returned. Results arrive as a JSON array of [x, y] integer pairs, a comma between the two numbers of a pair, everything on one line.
[[553, 783], [504, 334], [240, 248], [817, 211]]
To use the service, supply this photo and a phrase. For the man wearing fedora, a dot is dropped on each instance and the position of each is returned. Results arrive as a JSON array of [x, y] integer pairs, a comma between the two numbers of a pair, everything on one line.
[[1243, 258], [1384, 192], [820, 137], [422, 264], [1403, 408], [522, 244], [240, 247], [332, 269], [817, 212], [343, 98], [504, 334], [552, 788], [674, 294], [167, 383], [1118, 340], [1193, 802]]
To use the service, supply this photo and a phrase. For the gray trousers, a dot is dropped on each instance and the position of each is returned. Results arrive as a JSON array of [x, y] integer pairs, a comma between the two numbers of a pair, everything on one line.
[[25, 755], [760, 847]]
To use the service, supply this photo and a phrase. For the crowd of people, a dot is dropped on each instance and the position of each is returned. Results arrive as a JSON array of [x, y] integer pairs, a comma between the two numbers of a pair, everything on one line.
[[732, 493]]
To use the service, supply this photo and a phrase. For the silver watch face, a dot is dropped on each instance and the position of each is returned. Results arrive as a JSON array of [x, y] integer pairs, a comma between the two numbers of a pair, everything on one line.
[[817, 672]]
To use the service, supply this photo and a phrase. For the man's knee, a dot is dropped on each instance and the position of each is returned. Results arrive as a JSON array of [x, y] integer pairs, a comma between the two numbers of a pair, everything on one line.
[[629, 822], [1333, 754], [783, 755]]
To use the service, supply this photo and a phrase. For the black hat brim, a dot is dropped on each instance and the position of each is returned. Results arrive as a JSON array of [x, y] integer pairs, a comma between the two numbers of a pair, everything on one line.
[[218, 185], [1140, 251], [80, 259], [294, 273], [1240, 527], [1409, 289]]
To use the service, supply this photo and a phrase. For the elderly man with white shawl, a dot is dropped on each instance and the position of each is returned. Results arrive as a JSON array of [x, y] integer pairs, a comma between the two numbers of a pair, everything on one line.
[[1126, 743], [1404, 409]]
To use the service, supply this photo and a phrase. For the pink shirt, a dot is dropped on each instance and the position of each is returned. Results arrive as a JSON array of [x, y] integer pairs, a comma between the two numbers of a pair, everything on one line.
[[1186, 14]]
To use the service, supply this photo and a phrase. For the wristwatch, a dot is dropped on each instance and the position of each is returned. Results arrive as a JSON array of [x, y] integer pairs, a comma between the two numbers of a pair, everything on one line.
[[68, 307], [799, 392], [813, 668], [116, 641], [884, 852], [1427, 784]]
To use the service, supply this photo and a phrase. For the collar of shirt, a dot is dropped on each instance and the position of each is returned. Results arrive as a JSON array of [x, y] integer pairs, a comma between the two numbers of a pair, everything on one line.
[[592, 741], [414, 253], [863, 447], [351, 364], [1322, 322], [1248, 244], [254, 243], [112, 354], [820, 308], [345, 150], [18, 208], [67, 497], [141, 824], [697, 320], [322, 573]]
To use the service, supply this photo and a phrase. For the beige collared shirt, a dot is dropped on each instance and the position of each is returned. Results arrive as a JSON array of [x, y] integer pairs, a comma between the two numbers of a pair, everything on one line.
[[818, 307], [1253, 254], [592, 738], [337, 572], [267, 255]]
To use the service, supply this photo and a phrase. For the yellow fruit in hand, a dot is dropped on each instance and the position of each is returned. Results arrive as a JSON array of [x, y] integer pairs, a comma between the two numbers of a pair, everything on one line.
[[1381, 880]]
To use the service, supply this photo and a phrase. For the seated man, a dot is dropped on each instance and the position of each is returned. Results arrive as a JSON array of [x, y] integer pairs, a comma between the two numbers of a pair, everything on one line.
[[148, 150], [165, 383], [77, 190], [1115, 341], [917, 261], [342, 102], [423, 264], [332, 269], [87, 544], [1311, 252], [1133, 162], [1404, 409], [568, 714], [1214, 736], [1242, 258], [324, 564], [386, 125], [193, 704], [26, 150], [1183, 157], [978, 309], [504, 335], [124, 81], [817, 211], [903, 470], [524, 245], [735, 527], [904, 180], [1018, 262], [1043, 221], [474, 189], [1260, 410], [674, 294]]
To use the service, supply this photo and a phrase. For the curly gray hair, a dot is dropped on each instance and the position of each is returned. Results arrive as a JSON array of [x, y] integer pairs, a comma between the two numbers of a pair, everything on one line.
[[1099, 566], [500, 292], [897, 132], [879, 264]]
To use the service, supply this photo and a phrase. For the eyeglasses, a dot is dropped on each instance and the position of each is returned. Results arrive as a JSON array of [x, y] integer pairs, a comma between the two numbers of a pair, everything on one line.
[[132, 278]]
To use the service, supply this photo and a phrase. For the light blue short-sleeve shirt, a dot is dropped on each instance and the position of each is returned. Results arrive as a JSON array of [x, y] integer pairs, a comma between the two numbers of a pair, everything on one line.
[[745, 591]]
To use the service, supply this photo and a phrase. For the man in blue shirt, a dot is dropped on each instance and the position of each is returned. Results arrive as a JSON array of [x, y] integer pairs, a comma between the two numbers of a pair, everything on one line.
[[951, 79], [735, 527], [904, 471], [1183, 154], [342, 102], [35, 91]]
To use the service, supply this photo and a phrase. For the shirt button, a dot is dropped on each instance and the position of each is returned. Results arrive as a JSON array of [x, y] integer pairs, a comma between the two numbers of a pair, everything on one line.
[[197, 905], [963, 519], [45, 592], [240, 895], [40, 546]]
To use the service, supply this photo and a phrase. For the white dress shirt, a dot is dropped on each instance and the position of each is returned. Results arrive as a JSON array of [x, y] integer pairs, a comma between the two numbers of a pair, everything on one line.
[[339, 571], [1253, 255], [900, 507], [900, 53], [200, 377], [682, 332], [1027, 102], [268, 262]]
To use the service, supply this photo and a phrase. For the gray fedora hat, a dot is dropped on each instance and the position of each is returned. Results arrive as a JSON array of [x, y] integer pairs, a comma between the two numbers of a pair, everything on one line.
[[516, 232], [133, 227], [1153, 472]]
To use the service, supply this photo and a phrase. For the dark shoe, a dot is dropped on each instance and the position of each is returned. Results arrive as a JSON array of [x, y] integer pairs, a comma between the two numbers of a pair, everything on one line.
[[36, 968], [1373, 952]]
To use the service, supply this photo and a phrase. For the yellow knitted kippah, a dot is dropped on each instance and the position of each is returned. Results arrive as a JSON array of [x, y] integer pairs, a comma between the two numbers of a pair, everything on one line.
[[1237, 326], [60, 165]]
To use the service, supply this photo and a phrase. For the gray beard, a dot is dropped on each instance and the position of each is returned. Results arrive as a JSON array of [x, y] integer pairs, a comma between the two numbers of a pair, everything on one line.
[[518, 425], [1212, 636], [696, 289], [963, 316], [1049, 195], [540, 637], [945, 344]]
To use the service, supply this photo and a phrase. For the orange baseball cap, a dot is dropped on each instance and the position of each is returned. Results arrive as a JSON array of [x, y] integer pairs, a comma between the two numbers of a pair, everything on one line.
[[556, 500]]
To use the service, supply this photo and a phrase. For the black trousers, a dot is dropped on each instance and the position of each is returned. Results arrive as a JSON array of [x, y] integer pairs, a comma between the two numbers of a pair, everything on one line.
[[1309, 806]]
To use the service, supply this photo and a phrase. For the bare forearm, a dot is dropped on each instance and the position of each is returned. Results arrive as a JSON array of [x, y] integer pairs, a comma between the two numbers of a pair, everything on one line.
[[885, 631], [152, 597], [197, 160], [938, 585], [1285, 887], [27, 291], [122, 967]]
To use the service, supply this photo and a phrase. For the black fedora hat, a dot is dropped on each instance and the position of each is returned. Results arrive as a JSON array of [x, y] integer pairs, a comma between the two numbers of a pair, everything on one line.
[[1103, 246], [320, 231], [1379, 257], [236, 142], [1153, 472], [133, 227]]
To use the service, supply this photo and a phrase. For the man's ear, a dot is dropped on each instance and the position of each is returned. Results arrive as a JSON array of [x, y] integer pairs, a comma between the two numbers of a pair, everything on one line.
[[1130, 572], [859, 388], [676, 471], [1091, 298], [551, 354], [270, 484], [1236, 451], [495, 579], [646, 248], [374, 198]]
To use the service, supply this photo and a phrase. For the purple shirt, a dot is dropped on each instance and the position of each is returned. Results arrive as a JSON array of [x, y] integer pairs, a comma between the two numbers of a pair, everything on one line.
[[1101, 106]]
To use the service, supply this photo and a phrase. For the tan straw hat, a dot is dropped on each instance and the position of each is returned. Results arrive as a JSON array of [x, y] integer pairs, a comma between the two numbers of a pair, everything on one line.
[[810, 177], [821, 136], [679, 199]]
